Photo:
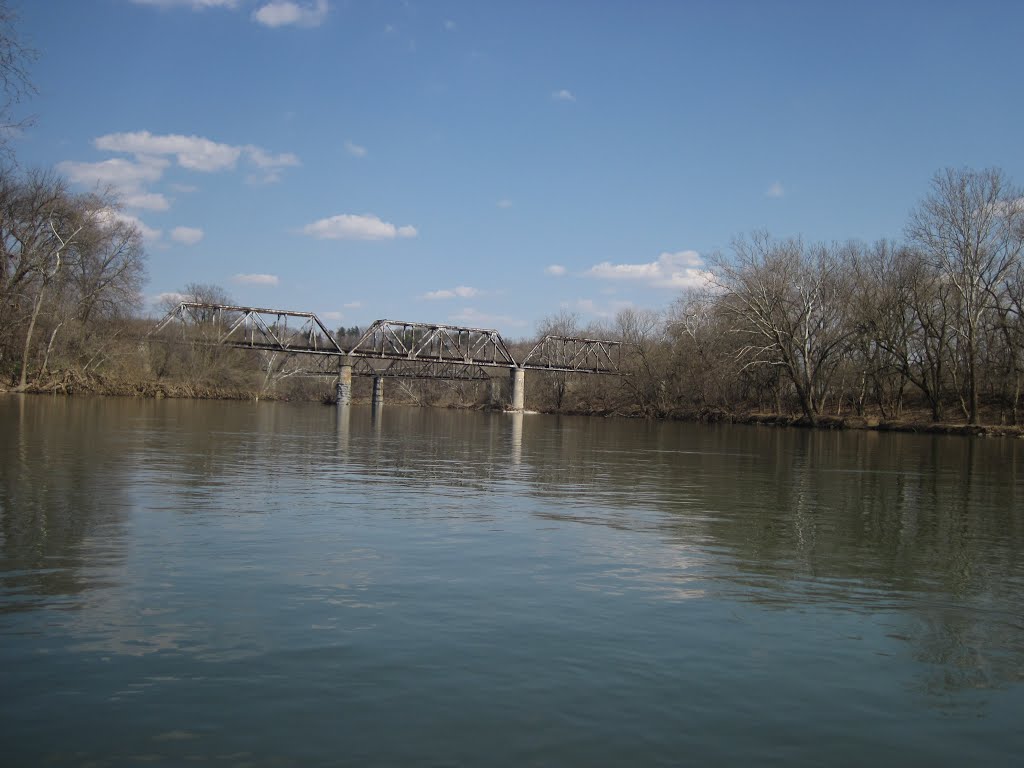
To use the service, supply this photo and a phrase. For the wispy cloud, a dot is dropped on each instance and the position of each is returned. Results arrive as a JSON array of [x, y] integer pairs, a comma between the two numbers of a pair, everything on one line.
[[460, 292], [168, 297], [555, 269], [154, 153], [110, 216], [348, 226], [187, 235], [505, 203], [255, 279], [563, 95], [354, 149], [671, 270], [195, 153], [352, 305], [600, 309], [196, 5], [450, 25], [473, 317], [285, 13], [126, 177], [775, 190]]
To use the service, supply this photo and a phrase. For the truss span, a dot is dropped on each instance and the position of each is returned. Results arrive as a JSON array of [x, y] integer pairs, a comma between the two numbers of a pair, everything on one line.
[[401, 340], [575, 355], [390, 348], [276, 330]]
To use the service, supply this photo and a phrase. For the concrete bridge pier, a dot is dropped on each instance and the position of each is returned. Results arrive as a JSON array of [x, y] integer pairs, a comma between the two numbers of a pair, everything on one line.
[[344, 387], [518, 399], [378, 392]]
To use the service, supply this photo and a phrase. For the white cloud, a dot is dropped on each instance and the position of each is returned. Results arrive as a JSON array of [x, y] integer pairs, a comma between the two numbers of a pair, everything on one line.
[[263, 159], [352, 305], [126, 178], [671, 270], [331, 317], [563, 95], [1008, 208], [184, 188], [256, 279], [473, 317], [354, 149], [193, 152], [151, 201], [169, 297], [187, 235], [775, 190], [591, 307], [108, 216], [195, 5], [506, 203], [555, 269], [283, 13], [450, 25], [116, 172], [461, 292], [347, 226]]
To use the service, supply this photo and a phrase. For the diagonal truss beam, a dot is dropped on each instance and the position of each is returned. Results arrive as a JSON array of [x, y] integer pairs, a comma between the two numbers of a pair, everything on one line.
[[276, 330], [395, 339], [417, 350], [572, 354], [420, 369]]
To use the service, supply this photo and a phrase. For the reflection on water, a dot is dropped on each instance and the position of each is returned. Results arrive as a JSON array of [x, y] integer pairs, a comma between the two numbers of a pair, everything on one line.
[[269, 584]]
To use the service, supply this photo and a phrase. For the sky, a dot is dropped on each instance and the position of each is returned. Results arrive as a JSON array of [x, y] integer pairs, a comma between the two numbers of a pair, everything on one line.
[[491, 164]]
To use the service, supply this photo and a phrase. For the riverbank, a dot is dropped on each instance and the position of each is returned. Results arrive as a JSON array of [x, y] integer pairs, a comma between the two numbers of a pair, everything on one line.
[[917, 423], [70, 382], [74, 383]]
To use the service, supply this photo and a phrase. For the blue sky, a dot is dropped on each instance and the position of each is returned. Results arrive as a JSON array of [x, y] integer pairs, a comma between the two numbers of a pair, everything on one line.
[[488, 164]]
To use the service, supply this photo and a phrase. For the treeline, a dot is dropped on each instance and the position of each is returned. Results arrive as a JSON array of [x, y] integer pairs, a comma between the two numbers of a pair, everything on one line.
[[930, 327], [932, 324]]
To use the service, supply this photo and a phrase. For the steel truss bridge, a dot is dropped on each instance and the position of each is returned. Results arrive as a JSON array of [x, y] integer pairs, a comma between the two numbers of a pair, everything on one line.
[[388, 348]]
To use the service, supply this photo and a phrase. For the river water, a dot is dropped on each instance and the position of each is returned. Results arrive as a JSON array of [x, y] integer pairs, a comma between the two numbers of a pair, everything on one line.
[[189, 583]]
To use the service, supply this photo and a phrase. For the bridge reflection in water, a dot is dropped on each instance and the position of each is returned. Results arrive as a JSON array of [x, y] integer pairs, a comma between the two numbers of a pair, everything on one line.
[[388, 348]]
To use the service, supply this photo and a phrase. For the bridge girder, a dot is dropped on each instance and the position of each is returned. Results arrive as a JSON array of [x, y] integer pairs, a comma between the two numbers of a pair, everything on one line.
[[398, 339], [574, 355], [275, 330], [415, 350]]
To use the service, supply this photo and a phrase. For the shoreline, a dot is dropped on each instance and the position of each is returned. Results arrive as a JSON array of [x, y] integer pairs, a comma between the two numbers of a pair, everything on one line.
[[176, 391]]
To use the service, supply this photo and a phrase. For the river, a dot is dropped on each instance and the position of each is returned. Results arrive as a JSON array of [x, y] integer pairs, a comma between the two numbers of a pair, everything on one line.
[[242, 584]]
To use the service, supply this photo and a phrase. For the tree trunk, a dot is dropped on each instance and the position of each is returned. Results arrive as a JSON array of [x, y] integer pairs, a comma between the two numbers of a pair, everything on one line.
[[23, 382]]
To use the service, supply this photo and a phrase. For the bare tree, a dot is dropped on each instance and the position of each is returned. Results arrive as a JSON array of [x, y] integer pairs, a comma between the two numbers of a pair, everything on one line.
[[563, 323], [37, 219], [15, 58], [646, 356], [970, 229], [788, 303]]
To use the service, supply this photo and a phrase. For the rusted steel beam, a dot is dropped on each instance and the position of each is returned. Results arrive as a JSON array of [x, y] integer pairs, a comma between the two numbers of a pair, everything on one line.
[[396, 339], [574, 355], [420, 369], [442, 351], [254, 328]]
